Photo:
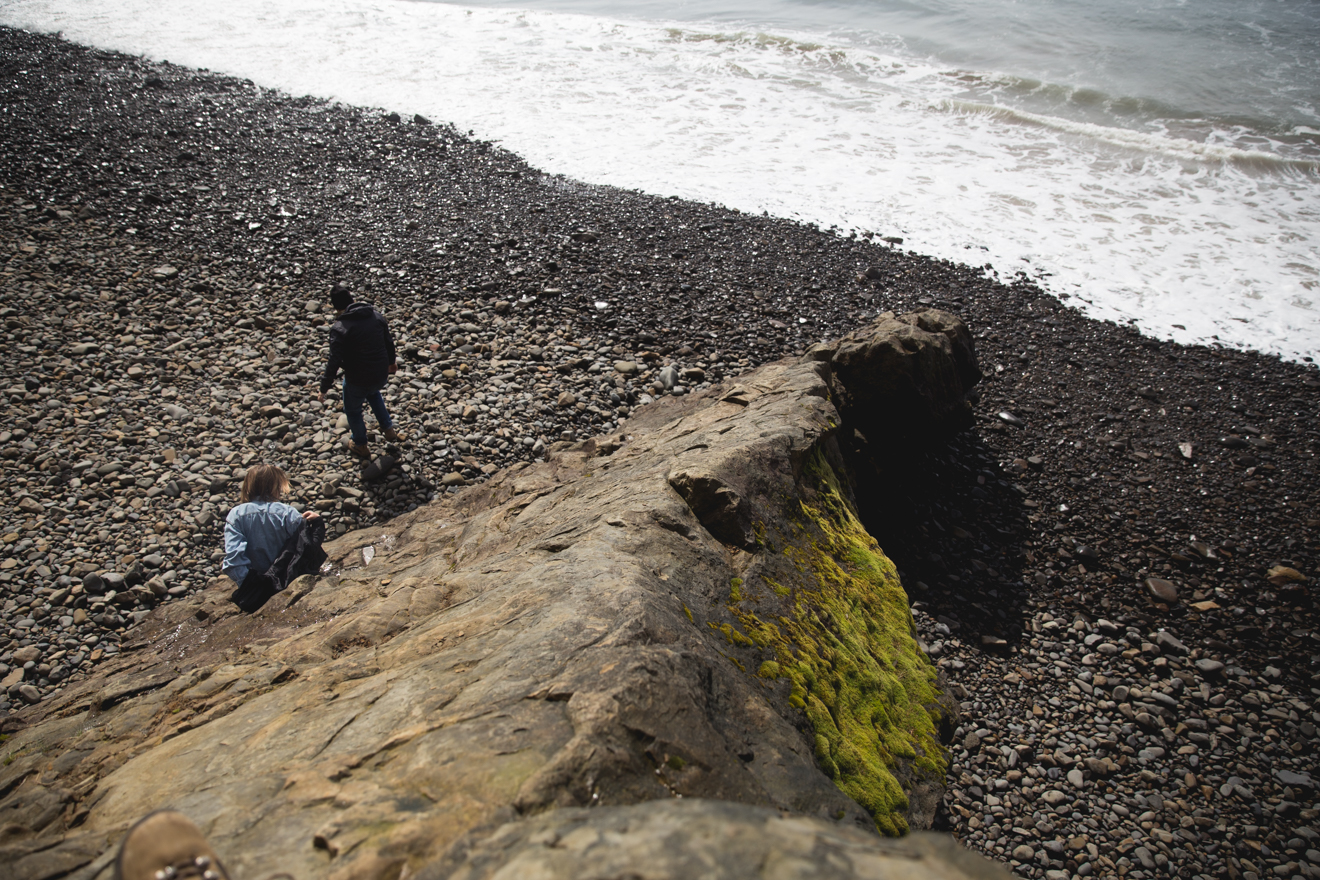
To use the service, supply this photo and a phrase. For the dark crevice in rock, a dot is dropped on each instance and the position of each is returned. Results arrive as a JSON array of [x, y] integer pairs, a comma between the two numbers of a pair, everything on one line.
[[716, 505], [919, 477], [920, 498]]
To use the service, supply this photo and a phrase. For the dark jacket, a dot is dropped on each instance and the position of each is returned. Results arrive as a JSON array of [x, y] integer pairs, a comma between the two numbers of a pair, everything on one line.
[[360, 345], [300, 555]]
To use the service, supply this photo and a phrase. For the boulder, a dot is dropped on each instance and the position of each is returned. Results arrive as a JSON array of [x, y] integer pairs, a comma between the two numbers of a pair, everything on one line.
[[687, 609], [903, 378]]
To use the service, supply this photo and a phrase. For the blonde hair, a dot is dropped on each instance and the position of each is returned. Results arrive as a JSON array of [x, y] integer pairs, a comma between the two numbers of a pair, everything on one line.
[[263, 482]]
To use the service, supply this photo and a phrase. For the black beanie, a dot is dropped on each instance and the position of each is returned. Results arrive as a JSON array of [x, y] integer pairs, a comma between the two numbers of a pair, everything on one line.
[[340, 297]]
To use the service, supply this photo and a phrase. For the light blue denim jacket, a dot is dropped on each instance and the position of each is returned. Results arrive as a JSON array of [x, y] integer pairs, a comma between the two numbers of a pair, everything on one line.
[[255, 532]]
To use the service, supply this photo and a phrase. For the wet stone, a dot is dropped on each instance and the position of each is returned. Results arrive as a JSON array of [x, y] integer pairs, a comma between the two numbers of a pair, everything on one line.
[[1161, 590], [1209, 667]]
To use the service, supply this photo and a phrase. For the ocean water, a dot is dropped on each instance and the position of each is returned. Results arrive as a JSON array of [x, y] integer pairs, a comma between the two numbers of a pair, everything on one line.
[[1151, 161]]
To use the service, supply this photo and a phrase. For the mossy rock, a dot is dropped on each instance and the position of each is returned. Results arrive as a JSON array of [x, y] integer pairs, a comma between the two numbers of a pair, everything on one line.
[[842, 636]]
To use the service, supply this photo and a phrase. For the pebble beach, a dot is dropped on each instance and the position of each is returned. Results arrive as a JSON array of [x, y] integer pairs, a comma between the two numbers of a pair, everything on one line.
[[1114, 569]]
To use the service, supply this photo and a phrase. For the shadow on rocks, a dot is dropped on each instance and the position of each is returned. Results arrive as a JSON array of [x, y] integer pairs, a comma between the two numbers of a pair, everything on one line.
[[954, 525]]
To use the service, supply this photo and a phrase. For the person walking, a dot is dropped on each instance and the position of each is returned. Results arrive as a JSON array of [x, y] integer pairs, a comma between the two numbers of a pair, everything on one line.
[[360, 345]]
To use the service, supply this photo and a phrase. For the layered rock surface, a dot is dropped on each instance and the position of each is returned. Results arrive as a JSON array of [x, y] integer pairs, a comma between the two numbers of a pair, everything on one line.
[[687, 608]]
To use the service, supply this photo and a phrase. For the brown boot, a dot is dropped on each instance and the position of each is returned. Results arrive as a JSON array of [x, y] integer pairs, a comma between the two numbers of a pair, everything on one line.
[[392, 435], [165, 845], [362, 451]]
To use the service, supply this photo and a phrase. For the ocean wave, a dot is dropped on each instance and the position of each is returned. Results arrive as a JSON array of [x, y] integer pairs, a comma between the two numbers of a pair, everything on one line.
[[1127, 120], [1144, 142]]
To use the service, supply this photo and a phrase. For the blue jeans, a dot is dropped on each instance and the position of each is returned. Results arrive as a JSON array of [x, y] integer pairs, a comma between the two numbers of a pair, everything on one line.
[[354, 397]]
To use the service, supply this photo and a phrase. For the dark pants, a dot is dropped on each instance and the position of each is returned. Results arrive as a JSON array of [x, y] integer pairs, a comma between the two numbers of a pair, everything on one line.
[[301, 554], [354, 397]]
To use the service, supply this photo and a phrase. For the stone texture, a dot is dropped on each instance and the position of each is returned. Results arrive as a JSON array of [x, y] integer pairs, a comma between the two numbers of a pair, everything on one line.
[[676, 840]]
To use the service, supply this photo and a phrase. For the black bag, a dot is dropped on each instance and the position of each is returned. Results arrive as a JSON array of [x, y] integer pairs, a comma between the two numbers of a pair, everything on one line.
[[300, 555]]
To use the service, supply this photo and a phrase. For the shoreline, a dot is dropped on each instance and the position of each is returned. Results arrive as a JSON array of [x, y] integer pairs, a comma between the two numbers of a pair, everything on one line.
[[258, 202]]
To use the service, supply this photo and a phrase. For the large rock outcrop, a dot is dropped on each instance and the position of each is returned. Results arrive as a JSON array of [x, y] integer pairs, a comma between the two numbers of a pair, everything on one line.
[[689, 608], [903, 378]]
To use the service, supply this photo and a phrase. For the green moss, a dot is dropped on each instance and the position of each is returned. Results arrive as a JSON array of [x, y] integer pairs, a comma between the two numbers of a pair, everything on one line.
[[846, 644], [735, 585], [769, 669], [731, 635], [676, 762], [688, 612], [734, 660]]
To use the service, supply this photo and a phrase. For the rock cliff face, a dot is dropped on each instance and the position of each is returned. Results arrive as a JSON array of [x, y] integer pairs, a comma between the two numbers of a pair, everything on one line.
[[687, 609]]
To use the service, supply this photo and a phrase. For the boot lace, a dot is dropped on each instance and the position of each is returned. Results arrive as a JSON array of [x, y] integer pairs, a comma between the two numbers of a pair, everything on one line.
[[199, 867]]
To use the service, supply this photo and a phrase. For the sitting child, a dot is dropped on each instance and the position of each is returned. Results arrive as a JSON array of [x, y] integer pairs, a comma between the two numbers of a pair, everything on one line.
[[267, 542]]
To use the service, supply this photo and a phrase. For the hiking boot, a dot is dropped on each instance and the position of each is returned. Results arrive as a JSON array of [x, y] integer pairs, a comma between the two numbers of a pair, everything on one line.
[[166, 845], [392, 435], [361, 450]]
